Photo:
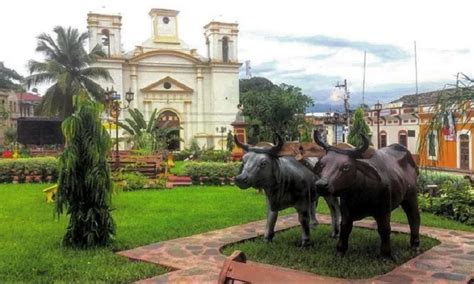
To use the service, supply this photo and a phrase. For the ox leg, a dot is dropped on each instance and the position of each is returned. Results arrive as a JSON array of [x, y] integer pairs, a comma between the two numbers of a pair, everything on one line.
[[335, 210], [343, 242], [413, 215], [312, 214], [303, 217], [271, 221], [384, 229]]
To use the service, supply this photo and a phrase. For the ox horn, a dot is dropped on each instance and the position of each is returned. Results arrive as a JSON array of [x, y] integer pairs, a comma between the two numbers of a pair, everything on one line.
[[243, 146], [365, 145], [319, 141], [279, 143]]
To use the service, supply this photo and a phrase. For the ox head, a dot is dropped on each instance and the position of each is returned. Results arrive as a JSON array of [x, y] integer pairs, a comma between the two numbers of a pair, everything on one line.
[[338, 168], [257, 164]]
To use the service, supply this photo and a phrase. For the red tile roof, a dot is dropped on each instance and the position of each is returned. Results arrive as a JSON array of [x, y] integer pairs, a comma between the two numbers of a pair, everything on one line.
[[28, 97]]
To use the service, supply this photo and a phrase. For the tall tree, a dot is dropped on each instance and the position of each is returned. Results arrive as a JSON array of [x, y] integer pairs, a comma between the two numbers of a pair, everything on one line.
[[84, 185], [359, 127], [67, 68], [10, 79], [272, 108]]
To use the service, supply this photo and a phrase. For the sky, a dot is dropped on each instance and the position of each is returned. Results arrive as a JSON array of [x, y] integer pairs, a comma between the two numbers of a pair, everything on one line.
[[309, 44]]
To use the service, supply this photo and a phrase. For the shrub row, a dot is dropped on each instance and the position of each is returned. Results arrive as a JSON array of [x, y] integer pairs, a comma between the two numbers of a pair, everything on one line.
[[211, 173], [205, 156], [454, 198], [29, 169]]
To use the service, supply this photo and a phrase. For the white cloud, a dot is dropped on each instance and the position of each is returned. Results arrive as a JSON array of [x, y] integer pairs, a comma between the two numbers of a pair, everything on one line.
[[440, 28]]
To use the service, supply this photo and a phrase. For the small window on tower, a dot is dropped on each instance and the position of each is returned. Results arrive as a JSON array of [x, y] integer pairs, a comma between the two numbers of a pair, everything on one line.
[[225, 49], [167, 85], [166, 20]]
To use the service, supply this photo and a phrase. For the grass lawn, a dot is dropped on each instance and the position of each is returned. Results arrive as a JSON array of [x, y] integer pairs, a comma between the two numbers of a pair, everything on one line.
[[30, 236], [361, 260]]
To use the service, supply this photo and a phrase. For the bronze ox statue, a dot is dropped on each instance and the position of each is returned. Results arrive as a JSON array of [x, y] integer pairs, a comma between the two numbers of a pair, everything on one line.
[[370, 187], [287, 183]]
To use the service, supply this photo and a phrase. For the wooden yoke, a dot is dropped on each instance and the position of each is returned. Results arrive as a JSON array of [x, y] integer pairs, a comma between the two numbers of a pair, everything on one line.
[[301, 150]]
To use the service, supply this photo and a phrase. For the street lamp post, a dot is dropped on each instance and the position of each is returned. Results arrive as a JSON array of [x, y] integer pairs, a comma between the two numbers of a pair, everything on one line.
[[378, 108], [112, 99], [221, 130]]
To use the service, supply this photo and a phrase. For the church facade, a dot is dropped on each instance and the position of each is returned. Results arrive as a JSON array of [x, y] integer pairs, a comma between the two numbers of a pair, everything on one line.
[[198, 93]]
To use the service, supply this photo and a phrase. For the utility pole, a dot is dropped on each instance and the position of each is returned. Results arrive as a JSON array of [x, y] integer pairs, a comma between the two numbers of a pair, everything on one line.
[[363, 81], [346, 102]]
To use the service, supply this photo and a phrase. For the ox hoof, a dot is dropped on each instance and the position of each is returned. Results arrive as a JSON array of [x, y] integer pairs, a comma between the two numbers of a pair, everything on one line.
[[306, 243], [340, 253], [267, 240], [313, 224], [388, 258], [335, 235]]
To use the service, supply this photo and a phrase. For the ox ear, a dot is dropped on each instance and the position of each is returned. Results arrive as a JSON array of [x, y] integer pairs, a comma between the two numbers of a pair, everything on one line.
[[368, 169]]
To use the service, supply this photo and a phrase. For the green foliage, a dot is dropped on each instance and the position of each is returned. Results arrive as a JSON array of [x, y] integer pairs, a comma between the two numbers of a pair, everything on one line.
[[215, 156], [359, 127], [84, 185], [67, 68], [145, 135], [43, 166], [272, 108], [10, 79], [361, 261], [211, 173], [9, 136], [133, 181], [230, 141], [426, 178], [455, 201]]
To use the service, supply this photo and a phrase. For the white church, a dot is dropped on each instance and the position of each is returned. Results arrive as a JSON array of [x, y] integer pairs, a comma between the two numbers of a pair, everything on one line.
[[198, 93]]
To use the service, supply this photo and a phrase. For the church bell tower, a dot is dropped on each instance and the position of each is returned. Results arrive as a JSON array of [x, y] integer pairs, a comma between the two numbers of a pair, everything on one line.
[[221, 42], [105, 30], [165, 25]]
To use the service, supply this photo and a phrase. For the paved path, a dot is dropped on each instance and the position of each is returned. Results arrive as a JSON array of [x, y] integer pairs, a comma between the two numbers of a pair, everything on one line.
[[197, 259]]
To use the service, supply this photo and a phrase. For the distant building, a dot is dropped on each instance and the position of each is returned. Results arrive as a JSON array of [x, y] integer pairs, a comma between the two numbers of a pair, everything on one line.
[[14, 105], [406, 121], [22, 105], [331, 125], [197, 93]]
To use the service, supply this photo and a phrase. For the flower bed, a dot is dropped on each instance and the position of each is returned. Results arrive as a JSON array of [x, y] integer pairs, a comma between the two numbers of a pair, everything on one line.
[[44, 169]]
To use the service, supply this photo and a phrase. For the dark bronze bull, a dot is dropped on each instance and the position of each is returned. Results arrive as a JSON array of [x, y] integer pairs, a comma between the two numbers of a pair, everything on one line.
[[287, 183], [370, 187]]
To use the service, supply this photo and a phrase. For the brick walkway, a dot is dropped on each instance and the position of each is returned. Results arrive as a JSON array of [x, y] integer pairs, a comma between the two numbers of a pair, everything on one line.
[[197, 259]]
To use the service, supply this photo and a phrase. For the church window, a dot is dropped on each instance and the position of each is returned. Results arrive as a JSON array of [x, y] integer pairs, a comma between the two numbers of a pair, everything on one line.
[[105, 38], [167, 85], [225, 49], [166, 20]]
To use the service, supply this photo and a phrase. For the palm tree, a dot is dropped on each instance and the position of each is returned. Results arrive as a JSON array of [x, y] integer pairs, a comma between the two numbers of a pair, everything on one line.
[[9, 79], [145, 135], [67, 68]]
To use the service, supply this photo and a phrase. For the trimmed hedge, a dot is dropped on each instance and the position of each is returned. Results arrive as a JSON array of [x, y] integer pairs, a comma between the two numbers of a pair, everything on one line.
[[211, 173], [215, 156], [43, 167]]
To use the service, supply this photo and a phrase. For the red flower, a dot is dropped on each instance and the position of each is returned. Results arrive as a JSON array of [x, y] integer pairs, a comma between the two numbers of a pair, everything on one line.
[[7, 154]]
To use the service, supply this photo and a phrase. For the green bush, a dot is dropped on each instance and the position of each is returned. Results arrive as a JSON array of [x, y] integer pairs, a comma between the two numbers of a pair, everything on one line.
[[455, 201], [215, 156], [41, 166], [211, 173], [434, 178], [182, 155], [133, 181]]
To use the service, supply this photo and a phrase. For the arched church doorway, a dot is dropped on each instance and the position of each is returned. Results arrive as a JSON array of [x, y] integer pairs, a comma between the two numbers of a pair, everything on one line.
[[169, 119]]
